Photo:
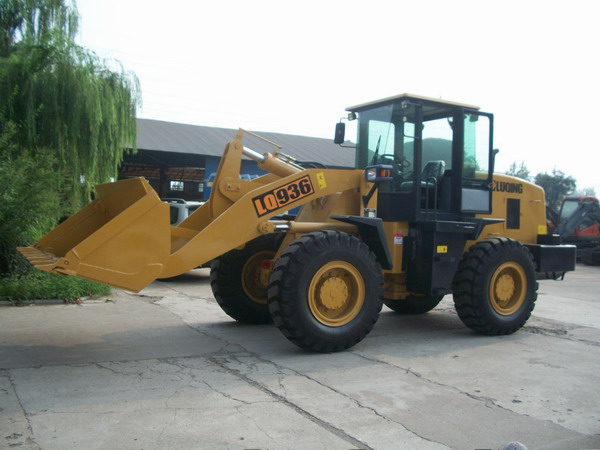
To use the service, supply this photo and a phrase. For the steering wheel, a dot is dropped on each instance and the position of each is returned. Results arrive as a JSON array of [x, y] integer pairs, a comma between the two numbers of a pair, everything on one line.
[[397, 161], [402, 162], [390, 161]]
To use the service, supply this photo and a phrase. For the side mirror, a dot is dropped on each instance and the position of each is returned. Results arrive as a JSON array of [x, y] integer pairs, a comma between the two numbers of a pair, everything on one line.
[[340, 133], [493, 162]]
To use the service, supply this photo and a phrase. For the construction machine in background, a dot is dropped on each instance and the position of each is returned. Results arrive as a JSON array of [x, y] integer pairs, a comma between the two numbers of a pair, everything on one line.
[[578, 223], [421, 216]]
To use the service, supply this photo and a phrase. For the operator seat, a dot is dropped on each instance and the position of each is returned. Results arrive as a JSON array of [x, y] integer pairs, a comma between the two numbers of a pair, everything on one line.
[[432, 172], [430, 177]]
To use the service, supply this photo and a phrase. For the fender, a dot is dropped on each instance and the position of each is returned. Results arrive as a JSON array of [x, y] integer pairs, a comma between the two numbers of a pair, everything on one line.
[[371, 233]]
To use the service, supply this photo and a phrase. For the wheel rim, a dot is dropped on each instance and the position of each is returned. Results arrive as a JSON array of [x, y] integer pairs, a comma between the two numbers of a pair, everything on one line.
[[255, 286], [336, 294], [508, 288]]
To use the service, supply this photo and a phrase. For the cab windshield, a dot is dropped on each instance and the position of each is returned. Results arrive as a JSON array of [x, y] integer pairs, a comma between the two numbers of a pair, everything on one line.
[[386, 135], [568, 208], [381, 135], [438, 150]]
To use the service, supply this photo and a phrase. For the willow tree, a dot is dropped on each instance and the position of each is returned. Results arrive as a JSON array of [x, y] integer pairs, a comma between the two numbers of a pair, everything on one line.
[[66, 119], [62, 98]]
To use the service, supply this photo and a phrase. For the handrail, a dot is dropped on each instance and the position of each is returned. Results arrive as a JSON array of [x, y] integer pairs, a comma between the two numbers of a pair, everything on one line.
[[434, 181]]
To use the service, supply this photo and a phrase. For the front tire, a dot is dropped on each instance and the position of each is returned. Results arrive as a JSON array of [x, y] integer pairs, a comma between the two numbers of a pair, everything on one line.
[[325, 291], [495, 288], [236, 281]]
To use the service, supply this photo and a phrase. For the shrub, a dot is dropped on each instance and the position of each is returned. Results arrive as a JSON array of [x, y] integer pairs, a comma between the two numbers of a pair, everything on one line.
[[29, 200], [41, 285]]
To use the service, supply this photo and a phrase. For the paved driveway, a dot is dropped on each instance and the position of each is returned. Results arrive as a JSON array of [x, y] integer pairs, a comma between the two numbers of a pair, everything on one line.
[[168, 369]]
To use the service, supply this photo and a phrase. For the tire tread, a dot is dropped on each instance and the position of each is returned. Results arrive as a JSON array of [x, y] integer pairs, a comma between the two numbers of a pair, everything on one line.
[[284, 284], [469, 286]]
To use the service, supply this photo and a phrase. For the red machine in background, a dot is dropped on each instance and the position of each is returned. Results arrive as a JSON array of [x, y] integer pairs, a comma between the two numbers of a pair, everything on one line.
[[578, 223]]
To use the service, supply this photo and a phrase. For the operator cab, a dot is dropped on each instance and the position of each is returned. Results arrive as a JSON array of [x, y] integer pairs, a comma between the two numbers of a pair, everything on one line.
[[441, 155]]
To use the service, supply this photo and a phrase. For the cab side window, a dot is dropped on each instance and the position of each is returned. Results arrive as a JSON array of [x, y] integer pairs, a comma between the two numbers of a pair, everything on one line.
[[477, 145]]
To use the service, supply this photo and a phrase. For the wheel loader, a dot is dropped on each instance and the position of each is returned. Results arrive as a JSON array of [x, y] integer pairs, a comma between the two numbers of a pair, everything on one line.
[[421, 216]]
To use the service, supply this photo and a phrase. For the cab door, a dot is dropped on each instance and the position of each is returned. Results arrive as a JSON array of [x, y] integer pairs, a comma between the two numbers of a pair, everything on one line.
[[477, 163]]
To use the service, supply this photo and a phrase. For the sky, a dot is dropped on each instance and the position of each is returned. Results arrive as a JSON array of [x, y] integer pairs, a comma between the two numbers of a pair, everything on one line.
[[293, 67]]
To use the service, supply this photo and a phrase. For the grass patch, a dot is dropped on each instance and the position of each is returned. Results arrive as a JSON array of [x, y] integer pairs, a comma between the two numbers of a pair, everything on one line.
[[42, 285]]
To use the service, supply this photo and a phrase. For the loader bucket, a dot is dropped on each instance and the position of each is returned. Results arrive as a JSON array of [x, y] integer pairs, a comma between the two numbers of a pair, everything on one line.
[[121, 239]]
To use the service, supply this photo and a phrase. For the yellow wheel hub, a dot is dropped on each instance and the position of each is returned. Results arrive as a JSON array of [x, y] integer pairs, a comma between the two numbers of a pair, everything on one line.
[[336, 294], [254, 282], [333, 293], [508, 288]]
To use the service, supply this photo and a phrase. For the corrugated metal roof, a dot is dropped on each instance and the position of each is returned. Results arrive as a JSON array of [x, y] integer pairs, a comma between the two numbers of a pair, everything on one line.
[[210, 141]]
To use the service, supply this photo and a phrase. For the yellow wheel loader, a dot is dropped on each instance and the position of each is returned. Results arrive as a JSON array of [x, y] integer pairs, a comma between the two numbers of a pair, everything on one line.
[[422, 216]]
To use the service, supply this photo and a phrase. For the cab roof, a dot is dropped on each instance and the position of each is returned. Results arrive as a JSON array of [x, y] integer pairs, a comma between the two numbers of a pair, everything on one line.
[[397, 98]]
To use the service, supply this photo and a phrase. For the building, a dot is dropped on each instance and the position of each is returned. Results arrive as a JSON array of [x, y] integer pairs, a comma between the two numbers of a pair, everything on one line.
[[178, 159]]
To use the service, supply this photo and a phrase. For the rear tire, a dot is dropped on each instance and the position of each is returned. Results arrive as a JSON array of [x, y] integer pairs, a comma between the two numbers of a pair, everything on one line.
[[495, 288], [236, 283], [413, 304], [325, 291]]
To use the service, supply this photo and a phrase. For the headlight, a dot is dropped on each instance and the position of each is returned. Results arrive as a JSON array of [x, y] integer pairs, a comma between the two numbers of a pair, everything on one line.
[[371, 174], [378, 173]]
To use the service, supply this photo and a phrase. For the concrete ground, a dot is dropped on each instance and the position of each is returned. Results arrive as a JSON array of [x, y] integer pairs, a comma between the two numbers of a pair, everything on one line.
[[168, 369]]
